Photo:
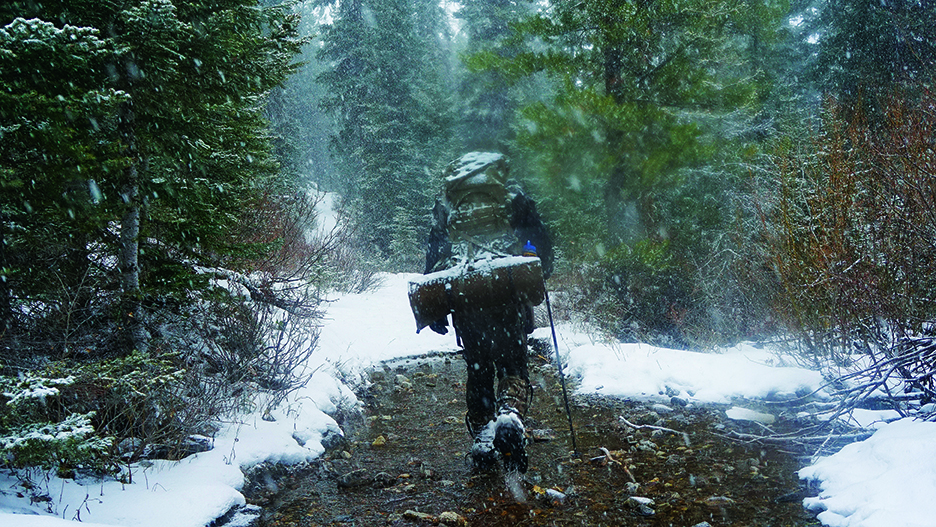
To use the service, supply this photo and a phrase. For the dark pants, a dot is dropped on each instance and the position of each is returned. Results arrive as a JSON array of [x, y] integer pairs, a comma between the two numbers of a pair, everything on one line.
[[495, 346]]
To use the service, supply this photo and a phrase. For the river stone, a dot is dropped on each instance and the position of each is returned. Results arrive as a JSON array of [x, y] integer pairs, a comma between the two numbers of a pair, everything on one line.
[[355, 478], [555, 497], [641, 505], [647, 419], [419, 516], [383, 479], [451, 519]]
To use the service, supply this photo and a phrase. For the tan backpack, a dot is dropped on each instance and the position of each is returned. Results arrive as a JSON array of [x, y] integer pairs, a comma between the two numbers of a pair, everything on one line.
[[476, 193]]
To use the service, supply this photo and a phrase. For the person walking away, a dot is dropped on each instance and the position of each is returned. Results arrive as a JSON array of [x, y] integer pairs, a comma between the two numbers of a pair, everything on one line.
[[481, 216]]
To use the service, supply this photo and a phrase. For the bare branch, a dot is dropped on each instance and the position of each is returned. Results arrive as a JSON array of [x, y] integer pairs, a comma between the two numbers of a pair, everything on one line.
[[684, 435]]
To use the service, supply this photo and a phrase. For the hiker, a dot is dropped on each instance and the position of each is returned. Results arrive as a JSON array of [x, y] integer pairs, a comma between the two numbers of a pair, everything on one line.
[[483, 216]]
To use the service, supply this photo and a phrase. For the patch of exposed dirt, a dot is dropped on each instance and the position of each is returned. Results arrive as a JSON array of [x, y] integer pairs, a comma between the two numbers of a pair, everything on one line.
[[404, 464]]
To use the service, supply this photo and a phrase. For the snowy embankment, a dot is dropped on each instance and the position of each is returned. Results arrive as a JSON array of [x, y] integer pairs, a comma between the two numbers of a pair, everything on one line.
[[886, 480]]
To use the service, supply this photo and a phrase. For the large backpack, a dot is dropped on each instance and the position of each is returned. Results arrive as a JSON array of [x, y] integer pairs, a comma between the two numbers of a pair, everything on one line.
[[478, 267], [478, 203]]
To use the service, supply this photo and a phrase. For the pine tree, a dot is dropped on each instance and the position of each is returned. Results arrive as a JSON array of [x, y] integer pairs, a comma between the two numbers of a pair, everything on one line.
[[301, 129], [632, 78], [385, 88], [185, 148], [649, 101], [57, 150], [487, 107], [136, 165], [867, 48]]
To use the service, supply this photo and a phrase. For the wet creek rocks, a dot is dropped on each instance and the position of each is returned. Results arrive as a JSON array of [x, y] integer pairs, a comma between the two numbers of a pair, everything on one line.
[[448, 518], [403, 463]]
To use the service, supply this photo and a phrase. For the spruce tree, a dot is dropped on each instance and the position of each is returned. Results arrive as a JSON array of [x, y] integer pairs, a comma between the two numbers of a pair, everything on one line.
[[485, 100], [869, 48], [58, 149], [385, 85], [176, 155], [649, 102], [632, 79]]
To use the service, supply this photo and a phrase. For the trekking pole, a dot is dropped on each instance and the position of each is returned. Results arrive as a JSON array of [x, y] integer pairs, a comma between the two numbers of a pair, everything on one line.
[[565, 395]]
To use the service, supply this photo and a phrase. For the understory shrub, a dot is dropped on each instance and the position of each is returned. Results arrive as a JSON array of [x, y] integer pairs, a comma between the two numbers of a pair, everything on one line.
[[237, 340], [71, 415], [850, 233], [240, 348], [648, 280], [31, 434], [97, 414], [643, 292]]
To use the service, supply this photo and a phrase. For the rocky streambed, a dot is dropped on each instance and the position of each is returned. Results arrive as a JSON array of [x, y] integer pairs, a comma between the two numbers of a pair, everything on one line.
[[637, 463]]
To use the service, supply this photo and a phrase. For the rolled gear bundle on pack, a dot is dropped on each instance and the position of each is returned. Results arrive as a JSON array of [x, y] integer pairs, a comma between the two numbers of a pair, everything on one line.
[[480, 284]]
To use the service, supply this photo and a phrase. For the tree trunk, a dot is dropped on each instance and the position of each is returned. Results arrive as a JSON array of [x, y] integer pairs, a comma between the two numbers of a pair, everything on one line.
[[6, 309], [129, 265], [132, 313], [617, 179]]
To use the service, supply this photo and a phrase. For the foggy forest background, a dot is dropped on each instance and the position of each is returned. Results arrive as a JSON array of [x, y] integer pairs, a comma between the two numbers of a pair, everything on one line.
[[711, 170]]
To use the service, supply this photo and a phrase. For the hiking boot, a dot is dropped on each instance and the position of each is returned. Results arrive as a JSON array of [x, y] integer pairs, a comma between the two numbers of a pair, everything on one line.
[[514, 395], [483, 456], [513, 399], [510, 441]]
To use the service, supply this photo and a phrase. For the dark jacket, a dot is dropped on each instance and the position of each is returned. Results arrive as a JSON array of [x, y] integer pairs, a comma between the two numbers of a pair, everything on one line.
[[528, 226]]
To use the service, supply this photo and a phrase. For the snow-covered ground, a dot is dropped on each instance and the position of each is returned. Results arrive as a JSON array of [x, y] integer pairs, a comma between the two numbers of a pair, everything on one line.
[[887, 480]]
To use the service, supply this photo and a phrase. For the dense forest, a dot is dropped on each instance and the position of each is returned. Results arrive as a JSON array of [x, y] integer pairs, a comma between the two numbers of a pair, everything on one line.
[[711, 170]]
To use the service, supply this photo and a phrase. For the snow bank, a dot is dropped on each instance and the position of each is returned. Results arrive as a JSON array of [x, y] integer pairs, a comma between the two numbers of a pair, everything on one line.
[[886, 480], [639, 370], [196, 490], [364, 329], [22, 520]]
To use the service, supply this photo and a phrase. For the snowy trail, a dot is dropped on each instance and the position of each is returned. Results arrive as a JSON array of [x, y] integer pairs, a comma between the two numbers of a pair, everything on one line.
[[363, 330]]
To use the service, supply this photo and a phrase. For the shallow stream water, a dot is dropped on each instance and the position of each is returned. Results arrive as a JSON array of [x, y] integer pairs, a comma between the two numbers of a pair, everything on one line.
[[403, 463]]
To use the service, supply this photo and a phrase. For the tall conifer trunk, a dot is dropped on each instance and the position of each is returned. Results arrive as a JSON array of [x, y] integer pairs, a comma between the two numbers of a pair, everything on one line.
[[6, 310], [613, 62], [132, 315]]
